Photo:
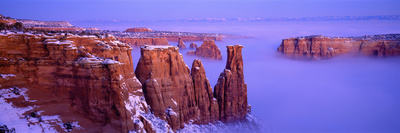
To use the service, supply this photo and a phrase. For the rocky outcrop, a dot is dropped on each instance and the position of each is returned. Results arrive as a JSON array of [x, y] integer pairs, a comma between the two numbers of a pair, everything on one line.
[[181, 44], [138, 42], [138, 30], [320, 47], [230, 90], [167, 84], [179, 95], [207, 50], [205, 101], [68, 73], [193, 45]]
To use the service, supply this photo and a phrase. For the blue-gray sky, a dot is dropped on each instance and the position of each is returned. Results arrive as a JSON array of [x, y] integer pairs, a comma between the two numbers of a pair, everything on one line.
[[181, 9]]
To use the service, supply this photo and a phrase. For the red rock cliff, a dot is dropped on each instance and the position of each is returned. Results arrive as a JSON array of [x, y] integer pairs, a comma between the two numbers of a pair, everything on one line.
[[76, 74], [230, 90], [137, 42], [316, 47]]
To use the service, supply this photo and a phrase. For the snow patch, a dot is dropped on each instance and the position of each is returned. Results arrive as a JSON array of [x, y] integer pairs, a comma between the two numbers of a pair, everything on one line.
[[6, 76]]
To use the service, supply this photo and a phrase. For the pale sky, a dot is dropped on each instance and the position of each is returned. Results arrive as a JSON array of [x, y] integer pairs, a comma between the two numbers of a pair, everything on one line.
[[180, 9]]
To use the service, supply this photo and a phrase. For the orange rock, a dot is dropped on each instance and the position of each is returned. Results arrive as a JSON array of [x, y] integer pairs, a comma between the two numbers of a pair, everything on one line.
[[181, 44], [193, 45], [208, 50], [207, 104], [316, 47], [230, 90], [167, 84], [80, 78]]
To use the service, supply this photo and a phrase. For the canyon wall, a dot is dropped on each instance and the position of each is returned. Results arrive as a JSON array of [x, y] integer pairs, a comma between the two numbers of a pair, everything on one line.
[[82, 74], [316, 47], [179, 95], [137, 42]]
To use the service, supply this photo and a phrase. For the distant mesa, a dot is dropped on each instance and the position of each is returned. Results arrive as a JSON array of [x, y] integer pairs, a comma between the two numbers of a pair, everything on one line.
[[207, 50], [141, 29], [319, 47]]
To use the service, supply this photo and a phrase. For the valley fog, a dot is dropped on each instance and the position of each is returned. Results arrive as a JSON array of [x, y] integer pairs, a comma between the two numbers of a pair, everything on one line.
[[343, 94]]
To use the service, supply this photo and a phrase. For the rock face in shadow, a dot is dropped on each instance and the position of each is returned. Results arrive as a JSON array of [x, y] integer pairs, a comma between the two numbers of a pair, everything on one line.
[[320, 47], [83, 74], [207, 50], [181, 44], [138, 42], [179, 95], [230, 90], [193, 45]]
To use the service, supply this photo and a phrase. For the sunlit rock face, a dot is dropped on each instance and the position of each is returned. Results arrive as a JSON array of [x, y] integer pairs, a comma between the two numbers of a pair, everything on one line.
[[83, 74], [138, 42], [179, 95], [207, 50], [167, 84], [230, 90], [207, 104], [317, 47]]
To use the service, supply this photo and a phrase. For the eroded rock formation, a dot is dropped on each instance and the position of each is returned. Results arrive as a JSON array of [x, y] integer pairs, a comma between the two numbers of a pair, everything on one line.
[[207, 50], [316, 47], [230, 90], [193, 45], [68, 73], [181, 44], [167, 84], [138, 42], [205, 101], [179, 95]]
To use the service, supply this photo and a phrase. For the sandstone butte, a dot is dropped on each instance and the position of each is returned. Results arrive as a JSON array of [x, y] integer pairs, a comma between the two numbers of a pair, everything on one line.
[[91, 81], [207, 50], [138, 42], [178, 94], [138, 30], [181, 44], [320, 47], [193, 45]]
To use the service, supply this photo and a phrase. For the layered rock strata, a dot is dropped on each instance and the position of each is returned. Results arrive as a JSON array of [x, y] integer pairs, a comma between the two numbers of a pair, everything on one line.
[[207, 50], [179, 95], [181, 44], [138, 30], [317, 47], [138, 42], [83, 74]]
